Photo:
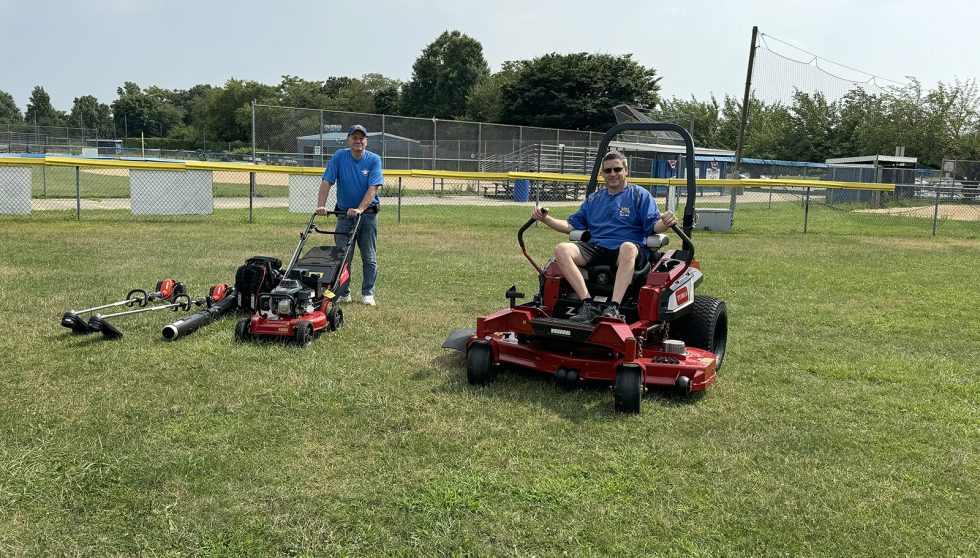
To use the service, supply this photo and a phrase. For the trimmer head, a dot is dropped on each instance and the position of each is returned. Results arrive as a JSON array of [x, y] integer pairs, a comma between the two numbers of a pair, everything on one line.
[[100, 324], [74, 322]]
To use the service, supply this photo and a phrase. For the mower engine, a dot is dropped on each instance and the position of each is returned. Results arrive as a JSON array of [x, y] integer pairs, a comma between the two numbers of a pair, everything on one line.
[[296, 295], [290, 299]]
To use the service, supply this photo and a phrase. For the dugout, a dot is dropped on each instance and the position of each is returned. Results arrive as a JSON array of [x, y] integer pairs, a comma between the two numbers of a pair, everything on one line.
[[714, 166], [666, 159], [878, 169], [103, 147]]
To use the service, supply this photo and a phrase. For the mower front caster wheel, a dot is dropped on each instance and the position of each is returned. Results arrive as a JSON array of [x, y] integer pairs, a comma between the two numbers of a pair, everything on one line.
[[628, 389], [480, 370], [241, 330], [304, 333], [335, 318]]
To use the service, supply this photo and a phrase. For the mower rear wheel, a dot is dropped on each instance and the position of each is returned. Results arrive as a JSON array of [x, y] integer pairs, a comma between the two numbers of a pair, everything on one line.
[[480, 370], [304, 333], [628, 389], [241, 330], [704, 327], [335, 318]]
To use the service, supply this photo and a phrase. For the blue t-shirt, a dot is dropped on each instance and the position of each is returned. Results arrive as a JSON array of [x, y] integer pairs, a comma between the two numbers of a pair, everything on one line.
[[613, 219], [353, 176]]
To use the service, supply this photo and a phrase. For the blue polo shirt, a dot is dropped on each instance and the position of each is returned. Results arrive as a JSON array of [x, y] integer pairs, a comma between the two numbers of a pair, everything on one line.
[[353, 176], [613, 219]]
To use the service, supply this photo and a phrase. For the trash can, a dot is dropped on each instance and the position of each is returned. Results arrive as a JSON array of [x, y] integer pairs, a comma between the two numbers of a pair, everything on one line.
[[522, 190]]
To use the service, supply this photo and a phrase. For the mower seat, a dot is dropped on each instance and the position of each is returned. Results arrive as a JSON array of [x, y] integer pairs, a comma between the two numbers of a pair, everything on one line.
[[655, 241], [600, 278]]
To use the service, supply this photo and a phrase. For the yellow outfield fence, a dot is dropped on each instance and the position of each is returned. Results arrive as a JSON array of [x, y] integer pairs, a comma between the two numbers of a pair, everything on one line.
[[150, 188], [436, 174]]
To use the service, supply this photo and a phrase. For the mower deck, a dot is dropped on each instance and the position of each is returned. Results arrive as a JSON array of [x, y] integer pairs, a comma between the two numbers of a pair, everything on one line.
[[278, 327], [525, 336]]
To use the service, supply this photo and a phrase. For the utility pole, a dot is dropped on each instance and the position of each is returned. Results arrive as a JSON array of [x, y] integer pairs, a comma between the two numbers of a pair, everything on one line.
[[745, 116]]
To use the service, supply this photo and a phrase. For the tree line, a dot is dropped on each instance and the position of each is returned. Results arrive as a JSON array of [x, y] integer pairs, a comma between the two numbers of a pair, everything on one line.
[[931, 125], [452, 80]]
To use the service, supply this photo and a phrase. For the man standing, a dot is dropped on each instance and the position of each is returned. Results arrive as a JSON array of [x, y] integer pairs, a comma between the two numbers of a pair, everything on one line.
[[619, 218], [357, 172]]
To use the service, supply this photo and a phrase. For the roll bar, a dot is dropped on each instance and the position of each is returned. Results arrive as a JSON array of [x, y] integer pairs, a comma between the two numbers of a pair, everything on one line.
[[602, 149]]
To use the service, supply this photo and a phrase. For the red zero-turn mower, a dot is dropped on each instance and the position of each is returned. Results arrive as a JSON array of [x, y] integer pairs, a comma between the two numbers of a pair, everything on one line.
[[303, 304], [669, 337]]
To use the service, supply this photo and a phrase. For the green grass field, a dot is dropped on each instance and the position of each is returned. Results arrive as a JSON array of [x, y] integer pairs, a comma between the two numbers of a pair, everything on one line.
[[844, 422]]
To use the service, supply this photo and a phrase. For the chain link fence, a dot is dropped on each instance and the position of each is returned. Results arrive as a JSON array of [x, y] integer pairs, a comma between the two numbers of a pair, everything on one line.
[[60, 140], [922, 203], [446, 165], [309, 137], [103, 187], [927, 206]]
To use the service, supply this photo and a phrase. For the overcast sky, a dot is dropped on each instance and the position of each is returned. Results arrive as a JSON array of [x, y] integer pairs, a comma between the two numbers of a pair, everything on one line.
[[698, 47]]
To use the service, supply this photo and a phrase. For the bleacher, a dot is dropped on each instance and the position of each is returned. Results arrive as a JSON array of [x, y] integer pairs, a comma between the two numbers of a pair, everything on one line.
[[543, 158]]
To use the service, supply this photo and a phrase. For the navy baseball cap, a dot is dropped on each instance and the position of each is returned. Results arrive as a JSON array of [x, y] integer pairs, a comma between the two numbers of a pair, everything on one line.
[[357, 128]]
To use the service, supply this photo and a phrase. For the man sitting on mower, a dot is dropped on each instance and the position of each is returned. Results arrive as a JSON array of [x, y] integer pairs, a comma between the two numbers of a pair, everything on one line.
[[619, 218]]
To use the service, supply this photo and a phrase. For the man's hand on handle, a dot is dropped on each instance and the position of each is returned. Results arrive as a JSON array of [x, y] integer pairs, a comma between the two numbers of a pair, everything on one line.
[[539, 213], [668, 219], [352, 212]]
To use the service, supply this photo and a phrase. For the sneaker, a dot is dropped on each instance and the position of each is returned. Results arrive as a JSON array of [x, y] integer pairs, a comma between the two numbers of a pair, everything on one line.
[[586, 313], [343, 299], [368, 300], [612, 312]]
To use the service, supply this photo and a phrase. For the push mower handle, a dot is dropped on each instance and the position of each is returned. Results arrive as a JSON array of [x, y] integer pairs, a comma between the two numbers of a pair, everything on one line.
[[311, 226]]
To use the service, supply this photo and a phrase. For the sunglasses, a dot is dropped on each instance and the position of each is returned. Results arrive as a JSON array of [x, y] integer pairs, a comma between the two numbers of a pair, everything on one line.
[[610, 170]]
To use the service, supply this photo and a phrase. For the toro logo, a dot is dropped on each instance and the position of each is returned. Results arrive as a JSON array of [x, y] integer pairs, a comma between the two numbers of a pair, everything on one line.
[[682, 296]]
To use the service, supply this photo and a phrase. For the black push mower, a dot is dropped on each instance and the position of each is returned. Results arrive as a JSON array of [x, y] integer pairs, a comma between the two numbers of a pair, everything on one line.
[[304, 302]]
